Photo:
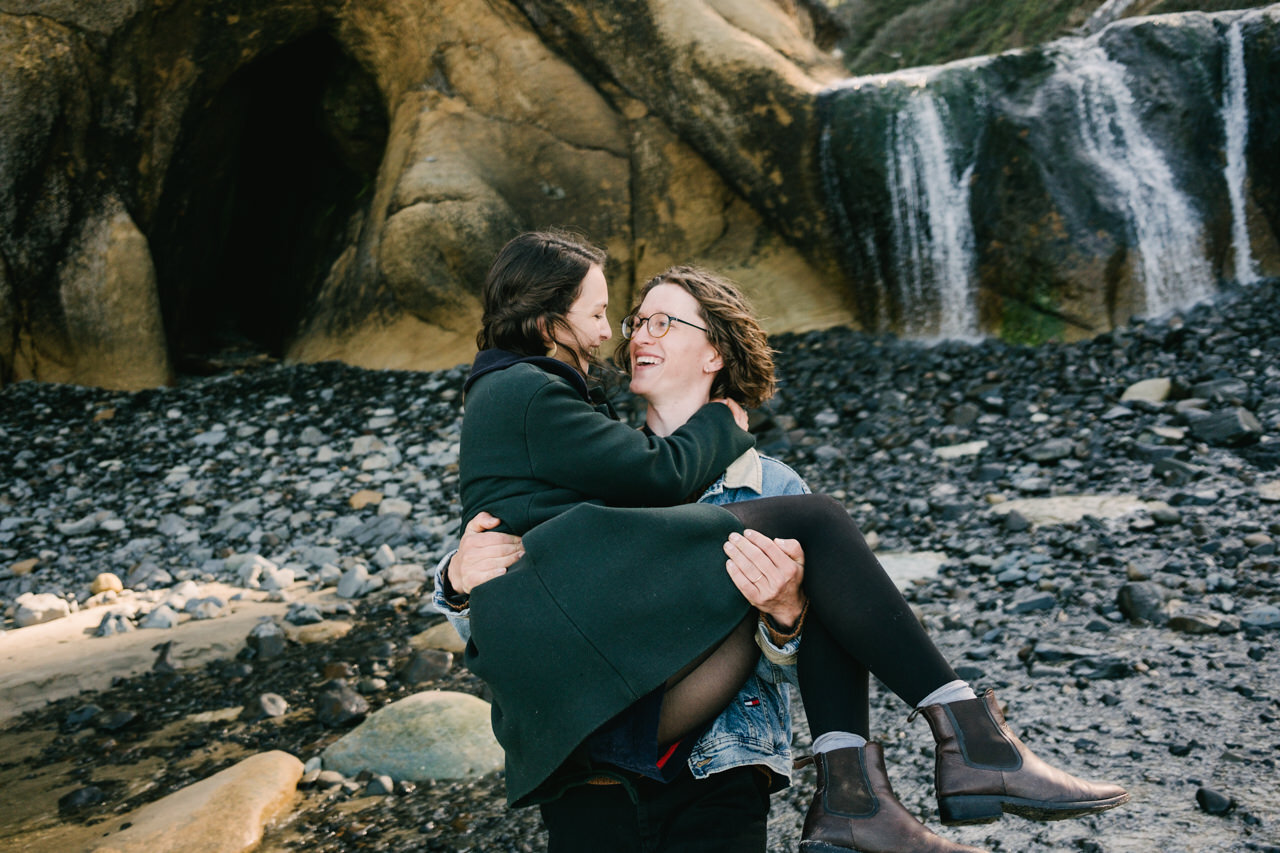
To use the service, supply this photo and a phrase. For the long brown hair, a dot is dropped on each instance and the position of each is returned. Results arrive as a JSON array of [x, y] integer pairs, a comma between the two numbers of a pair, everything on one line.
[[530, 287], [748, 372]]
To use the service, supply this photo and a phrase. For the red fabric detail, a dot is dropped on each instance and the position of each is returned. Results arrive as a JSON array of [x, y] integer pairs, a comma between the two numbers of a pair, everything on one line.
[[666, 755]]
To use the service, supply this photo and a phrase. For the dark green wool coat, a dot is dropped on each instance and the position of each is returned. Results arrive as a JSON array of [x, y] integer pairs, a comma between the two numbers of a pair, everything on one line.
[[618, 589]]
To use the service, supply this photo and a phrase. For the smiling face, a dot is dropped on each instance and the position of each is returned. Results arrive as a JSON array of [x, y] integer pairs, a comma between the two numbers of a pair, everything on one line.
[[681, 365], [587, 326]]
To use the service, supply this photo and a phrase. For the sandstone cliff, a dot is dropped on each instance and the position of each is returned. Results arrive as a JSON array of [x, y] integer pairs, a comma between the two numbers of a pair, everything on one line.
[[329, 180]]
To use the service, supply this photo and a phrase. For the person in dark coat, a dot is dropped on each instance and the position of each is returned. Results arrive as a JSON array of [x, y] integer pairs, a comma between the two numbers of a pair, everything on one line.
[[710, 791], [611, 556]]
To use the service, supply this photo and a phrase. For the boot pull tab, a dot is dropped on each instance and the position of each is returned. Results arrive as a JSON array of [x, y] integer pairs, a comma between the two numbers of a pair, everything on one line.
[[802, 762]]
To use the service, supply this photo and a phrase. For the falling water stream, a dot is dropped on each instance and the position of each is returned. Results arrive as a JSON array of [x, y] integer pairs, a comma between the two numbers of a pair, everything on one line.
[[1164, 225], [1235, 121], [925, 169], [932, 229]]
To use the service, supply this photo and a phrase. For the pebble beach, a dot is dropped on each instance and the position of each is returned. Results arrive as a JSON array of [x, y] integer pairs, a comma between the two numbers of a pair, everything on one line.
[[1102, 519]]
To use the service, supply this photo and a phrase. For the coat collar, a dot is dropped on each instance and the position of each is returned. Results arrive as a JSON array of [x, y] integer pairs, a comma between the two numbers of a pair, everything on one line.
[[491, 360]]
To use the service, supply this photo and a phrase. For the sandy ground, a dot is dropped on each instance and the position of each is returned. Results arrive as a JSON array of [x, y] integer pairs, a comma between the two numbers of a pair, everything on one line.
[[54, 660]]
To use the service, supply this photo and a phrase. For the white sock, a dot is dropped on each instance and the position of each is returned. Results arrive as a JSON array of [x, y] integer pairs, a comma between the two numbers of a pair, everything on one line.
[[828, 741], [952, 691]]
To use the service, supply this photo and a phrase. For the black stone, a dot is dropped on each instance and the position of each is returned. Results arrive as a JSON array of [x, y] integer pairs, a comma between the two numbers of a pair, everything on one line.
[[426, 665], [339, 705], [1033, 602], [1214, 802], [1142, 601], [1015, 522], [1111, 670], [267, 641], [1050, 451], [81, 798], [1230, 428], [80, 717], [164, 661], [113, 721], [1234, 391]]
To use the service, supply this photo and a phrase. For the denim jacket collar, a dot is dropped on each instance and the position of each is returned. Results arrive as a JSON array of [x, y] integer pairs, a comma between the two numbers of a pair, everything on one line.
[[745, 472]]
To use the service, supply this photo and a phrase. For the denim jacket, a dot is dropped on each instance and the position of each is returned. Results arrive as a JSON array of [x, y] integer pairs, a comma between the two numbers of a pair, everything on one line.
[[755, 729]]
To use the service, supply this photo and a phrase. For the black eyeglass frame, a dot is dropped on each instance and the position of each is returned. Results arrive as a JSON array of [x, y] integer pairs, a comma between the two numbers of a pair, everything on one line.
[[632, 324]]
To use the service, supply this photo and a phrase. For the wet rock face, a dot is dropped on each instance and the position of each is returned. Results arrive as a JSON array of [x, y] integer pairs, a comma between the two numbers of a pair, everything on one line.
[[325, 180], [1062, 189]]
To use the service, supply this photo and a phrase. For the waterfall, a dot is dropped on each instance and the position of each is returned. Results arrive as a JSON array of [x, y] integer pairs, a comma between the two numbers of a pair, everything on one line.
[[932, 230], [1235, 121], [1104, 15], [1164, 226]]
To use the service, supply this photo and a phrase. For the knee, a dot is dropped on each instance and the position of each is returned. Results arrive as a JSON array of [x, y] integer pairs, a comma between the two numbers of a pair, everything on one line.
[[829, 509], [822, 516]]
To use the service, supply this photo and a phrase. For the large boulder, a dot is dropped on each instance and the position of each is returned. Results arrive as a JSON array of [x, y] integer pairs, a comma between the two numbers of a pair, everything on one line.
[[225, 813], [430, 735]]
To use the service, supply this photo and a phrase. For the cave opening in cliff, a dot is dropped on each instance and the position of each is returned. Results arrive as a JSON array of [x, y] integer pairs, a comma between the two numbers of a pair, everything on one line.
[[260, 200]]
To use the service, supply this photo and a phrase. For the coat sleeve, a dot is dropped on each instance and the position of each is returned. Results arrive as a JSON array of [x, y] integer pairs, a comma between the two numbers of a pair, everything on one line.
[[573, 446]]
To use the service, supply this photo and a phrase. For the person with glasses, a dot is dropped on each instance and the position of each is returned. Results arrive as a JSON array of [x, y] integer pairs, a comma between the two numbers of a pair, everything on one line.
[[712, 791], [626, 624]]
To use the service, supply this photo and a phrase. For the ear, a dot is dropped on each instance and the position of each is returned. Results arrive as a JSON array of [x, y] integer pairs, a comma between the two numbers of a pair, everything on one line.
[[715, 363]]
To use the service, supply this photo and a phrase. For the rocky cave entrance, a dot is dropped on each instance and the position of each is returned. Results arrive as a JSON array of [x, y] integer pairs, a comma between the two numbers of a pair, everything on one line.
[[261, 199]]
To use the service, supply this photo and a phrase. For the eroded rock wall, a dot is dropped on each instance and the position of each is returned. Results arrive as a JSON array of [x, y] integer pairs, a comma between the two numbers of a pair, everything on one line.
[[137, 143]]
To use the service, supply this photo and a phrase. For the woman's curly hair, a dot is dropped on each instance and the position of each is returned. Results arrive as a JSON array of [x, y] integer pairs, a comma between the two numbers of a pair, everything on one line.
[[748, 372]]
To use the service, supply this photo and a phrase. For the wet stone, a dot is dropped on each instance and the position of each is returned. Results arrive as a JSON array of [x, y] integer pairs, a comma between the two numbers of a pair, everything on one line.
[[425, 665], [1142, 601], [302, 613], [380, 786], [1195, 622], [339, 705], [264, 706], [1033, 602], [267, 640], [81, 798], [1230, 428], [80, 717], [1214, 802], [114, 721]]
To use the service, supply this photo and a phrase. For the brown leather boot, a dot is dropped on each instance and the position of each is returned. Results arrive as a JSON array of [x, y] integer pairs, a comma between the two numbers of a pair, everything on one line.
[[854, 808], [983, 769]]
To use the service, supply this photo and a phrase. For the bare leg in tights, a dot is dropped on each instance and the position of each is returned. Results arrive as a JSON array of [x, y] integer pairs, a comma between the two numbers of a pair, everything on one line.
[[702, 689], [858, 622]]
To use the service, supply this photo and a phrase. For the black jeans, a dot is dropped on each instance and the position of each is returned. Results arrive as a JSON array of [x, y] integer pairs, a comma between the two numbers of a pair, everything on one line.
[[725, 813]]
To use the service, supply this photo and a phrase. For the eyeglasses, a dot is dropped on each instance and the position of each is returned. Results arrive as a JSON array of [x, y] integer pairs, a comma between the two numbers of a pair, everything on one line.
[[659, 324]]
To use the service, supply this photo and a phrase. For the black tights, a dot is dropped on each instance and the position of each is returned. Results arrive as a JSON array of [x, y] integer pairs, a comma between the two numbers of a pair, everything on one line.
[[858, 622]]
